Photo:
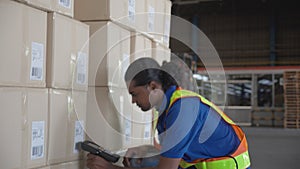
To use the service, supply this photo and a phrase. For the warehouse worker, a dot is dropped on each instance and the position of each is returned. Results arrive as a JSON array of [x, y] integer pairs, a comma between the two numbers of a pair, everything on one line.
[[194, 133]]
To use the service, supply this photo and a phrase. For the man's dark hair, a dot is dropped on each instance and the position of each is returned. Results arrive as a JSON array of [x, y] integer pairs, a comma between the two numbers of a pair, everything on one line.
[[144, 70]]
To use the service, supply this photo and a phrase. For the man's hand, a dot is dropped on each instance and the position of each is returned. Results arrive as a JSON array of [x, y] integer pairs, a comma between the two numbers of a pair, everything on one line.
[[96, 162], [131, 153], [139, 154]]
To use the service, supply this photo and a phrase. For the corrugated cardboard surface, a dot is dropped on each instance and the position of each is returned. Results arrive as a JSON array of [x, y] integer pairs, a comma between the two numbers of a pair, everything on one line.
[[141, 16], [167, 23], [160, 53], [40, 4], [67, 120], [109, 54], [92, 10], [68, 53], [159, 20], [103, 119], [22, 45], [151, 17], [113, 123], [23, 127], [140, 46], [141, 127], [68, 165], [65, 7]]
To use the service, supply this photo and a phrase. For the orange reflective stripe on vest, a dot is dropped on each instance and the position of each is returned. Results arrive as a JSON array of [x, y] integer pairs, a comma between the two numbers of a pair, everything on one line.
[[241, 156]]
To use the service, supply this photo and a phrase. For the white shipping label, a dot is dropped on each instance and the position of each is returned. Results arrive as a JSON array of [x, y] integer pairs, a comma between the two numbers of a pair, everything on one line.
[[151, 18], [131, 10], [78, 134], [167, 31], [128, 130], [37, 139], [81, 77], [147, 132], [65, 3], [37, 61], [148, 126]]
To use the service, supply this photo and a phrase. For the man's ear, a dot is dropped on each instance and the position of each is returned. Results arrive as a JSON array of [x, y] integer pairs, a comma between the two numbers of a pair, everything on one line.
[[153, 85]]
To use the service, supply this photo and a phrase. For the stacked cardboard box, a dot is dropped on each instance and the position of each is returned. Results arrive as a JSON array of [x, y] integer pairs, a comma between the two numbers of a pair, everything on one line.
[[23, 127], [23, 96], [109, 58], [160, 53], [61, 79], [150, 17], [65, 7], [67, 81], [67, 55], [140, 46], [121, 32], [43, 83], [23, 45]]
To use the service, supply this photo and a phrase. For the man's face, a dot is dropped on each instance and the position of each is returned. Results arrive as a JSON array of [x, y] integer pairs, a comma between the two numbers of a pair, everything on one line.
[[140, 95]]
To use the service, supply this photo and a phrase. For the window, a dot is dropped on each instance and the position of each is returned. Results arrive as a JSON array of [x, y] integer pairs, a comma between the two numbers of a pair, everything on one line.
[[278, 84], [264, 90], [239, 90]]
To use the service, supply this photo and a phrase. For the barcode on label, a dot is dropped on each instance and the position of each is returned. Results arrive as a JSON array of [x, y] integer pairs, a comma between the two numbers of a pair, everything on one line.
[[78, 135], [131, 10], [147, 134], [151, 18], [65, 3], [37, 152], [131, 16], [128, 128], [81, 78], [37, 61], [37, 139], [36, 72], [82, 62]]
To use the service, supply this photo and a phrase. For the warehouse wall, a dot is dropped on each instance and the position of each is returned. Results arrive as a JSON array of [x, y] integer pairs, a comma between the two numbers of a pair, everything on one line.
[[246, 33]]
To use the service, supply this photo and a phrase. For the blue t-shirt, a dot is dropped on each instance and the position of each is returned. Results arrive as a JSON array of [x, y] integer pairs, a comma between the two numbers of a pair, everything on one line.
[[191, 130]]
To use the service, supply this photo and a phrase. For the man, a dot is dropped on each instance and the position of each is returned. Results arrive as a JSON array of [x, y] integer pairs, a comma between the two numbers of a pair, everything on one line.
[[194, 133]]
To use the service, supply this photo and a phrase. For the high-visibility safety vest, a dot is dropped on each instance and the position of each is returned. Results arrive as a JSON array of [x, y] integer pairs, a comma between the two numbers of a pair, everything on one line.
[[238, 159]]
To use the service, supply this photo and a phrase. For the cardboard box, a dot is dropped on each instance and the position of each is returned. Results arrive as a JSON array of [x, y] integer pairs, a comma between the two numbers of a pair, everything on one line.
[[140, 46], [22, 45], [65, 7], [160, 53], [113, 122], [141, 16], [141, 127], [67, 120], [109, 54], [151, 17], [159, 20], [23, 127], [167, 23], [121, 11], [68, 53], [68, 165], [104, 118], [46, 5]]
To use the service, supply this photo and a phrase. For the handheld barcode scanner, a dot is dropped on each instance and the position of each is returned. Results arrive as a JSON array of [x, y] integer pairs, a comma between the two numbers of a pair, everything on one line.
[[95, 149]]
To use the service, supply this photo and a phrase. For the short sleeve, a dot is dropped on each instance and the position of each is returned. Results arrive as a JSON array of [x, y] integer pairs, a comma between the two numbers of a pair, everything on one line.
[[183, 121]]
